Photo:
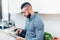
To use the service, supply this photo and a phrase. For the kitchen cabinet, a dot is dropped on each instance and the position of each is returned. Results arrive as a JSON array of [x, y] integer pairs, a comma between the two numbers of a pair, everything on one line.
[[40, 6], [49, 6], [14, 5]]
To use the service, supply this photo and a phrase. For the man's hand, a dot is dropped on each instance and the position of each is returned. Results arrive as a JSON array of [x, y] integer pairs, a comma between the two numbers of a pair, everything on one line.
[[18, 31], [19, 38]]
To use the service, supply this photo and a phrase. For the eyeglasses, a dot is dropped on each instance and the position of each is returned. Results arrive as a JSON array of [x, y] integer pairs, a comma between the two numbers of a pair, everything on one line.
[[23, 12]]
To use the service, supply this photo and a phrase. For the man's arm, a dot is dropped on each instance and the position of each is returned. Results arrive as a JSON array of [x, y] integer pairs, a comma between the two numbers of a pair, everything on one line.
[[39, 30]]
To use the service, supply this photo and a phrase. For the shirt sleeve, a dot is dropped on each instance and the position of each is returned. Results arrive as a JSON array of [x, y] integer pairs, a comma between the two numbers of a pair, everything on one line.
[[39, 30]]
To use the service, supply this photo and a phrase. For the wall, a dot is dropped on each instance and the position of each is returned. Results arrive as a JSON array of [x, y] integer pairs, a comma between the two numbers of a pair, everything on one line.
[[20, 21], [52, 23]]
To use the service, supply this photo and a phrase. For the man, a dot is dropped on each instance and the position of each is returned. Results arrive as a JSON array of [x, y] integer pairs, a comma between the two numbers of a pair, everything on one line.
[[34, 26]]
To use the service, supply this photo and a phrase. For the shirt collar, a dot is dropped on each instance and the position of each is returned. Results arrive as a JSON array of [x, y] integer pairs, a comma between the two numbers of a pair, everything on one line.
[[32, 17]]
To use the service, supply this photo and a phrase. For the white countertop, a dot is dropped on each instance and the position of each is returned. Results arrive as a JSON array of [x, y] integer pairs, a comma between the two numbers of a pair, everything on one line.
[[5, 36]]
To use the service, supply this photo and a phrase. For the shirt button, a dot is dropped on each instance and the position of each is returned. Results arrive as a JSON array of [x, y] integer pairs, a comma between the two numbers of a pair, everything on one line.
[[27, 34]]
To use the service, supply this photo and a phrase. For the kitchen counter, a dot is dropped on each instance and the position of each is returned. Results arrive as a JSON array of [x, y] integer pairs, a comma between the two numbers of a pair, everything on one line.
[[4, 34]]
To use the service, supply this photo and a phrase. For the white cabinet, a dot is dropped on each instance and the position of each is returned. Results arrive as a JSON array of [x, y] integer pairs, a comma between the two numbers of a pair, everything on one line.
[[49, 6], [41, 6], [14, 5], [34, 3]]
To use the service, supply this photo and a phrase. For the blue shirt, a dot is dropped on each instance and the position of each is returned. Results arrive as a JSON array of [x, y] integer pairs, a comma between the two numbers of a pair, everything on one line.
[[35, 28]]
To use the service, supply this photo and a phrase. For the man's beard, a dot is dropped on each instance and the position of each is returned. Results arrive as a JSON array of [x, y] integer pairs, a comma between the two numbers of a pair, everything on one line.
[[29, 15]]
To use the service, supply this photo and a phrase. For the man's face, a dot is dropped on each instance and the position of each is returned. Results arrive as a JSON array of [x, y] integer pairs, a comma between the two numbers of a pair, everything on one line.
[[26, 12]]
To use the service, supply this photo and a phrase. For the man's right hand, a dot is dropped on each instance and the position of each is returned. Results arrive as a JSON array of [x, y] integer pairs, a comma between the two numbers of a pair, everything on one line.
[[19, 38], [18, 31]]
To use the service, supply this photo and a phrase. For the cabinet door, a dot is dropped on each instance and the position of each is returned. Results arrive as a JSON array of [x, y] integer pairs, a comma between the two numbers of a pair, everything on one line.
[[14, 5], [41, 6], [34, 4], [49, 6]]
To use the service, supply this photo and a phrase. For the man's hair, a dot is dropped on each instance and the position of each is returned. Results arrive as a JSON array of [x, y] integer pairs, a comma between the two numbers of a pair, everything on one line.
[[25, 4]]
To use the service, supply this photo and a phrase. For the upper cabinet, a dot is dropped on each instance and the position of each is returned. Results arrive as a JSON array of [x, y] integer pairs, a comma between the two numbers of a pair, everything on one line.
[[40, 6], [49, 6], [15, 5]]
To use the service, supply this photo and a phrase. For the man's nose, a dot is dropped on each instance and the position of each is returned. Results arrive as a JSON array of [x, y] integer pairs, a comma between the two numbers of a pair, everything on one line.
[[23, 14]]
